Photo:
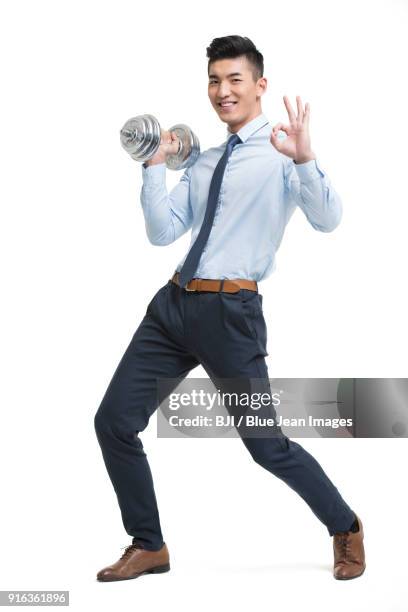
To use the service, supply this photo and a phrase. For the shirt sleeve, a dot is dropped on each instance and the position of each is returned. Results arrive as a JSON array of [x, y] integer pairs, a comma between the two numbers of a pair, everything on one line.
[[167, 215], [309, 188]]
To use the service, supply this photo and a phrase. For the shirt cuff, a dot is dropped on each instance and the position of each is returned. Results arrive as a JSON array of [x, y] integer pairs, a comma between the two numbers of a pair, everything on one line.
[[154, 174], [308, 171]]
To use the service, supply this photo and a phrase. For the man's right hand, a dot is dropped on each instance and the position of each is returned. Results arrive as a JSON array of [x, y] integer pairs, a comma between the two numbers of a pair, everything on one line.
[[169, 145]]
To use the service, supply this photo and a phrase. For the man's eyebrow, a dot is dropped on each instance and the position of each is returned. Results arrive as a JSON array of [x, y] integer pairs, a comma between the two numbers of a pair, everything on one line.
[[214, 76]]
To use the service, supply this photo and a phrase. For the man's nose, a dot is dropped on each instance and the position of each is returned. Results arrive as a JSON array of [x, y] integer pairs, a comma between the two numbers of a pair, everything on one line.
[[223, 90]]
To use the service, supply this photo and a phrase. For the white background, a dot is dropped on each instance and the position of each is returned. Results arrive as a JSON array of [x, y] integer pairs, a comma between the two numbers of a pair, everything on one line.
[[78, 273]]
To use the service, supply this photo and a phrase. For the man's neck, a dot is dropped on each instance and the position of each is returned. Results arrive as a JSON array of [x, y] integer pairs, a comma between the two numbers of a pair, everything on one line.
[[235, 128]]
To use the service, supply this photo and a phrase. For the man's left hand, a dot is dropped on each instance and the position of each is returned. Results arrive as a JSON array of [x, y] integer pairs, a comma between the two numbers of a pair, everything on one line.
[[297, 142]]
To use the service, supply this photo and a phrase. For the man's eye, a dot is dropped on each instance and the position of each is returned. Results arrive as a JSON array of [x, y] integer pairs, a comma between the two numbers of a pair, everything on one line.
[[238, 80]]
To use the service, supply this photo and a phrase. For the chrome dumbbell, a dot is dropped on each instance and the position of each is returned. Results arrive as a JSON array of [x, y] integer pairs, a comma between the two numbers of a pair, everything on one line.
[[141, 135]]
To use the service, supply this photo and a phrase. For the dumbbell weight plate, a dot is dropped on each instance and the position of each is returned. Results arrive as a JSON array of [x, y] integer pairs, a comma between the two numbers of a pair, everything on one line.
[[189, 149], [140, 137]]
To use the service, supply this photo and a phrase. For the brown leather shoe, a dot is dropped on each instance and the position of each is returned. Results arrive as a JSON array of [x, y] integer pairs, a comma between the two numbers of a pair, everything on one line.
[[136, 561], [349, 556]]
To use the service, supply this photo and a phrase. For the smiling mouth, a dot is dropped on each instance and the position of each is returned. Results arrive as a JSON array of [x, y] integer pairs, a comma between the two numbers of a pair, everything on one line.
[[226, 104]]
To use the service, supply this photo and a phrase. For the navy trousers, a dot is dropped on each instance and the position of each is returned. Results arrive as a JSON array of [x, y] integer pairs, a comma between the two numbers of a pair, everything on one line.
[[225, 333]]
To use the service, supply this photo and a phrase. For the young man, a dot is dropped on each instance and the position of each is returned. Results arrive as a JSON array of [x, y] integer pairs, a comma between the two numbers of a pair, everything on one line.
[[237, 199]]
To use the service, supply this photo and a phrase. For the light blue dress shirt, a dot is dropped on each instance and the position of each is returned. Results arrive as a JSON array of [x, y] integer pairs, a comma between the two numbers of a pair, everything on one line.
[[259, 193]]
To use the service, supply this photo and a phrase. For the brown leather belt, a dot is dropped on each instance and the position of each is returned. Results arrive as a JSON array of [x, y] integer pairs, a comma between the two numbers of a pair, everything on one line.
[[211, 284]]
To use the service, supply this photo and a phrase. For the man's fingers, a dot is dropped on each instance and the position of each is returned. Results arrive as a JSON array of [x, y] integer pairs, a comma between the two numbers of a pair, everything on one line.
[[307, 113], [165, 139], [175, 139], [289, 108], [299, 109], [282, 127], [274, 139]]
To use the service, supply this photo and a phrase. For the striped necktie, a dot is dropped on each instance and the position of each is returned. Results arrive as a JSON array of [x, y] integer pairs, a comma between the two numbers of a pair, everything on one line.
[[193, 257]]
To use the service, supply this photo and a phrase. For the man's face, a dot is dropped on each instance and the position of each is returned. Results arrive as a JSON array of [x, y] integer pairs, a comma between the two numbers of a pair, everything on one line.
[[233, 92]]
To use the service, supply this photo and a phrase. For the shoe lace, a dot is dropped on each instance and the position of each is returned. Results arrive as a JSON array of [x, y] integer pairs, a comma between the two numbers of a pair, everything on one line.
[[343, 541], [129, 549]]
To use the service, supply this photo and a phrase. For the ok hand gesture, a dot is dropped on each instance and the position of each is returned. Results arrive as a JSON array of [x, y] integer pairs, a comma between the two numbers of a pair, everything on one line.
[[297, 142]]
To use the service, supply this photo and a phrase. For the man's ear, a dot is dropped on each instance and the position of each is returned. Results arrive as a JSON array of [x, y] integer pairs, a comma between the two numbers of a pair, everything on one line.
[[262, 86]]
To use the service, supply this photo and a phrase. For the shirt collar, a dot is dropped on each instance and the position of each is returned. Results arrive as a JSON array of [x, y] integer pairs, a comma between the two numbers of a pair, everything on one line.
[[250, 128]]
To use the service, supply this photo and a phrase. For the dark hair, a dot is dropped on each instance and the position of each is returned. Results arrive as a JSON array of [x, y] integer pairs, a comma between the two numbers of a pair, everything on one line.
[[235, 46]]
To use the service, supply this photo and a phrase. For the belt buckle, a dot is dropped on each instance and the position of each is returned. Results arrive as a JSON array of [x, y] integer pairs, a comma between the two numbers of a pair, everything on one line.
[[198, 285], [187, 289]]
